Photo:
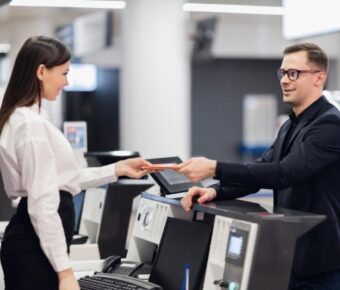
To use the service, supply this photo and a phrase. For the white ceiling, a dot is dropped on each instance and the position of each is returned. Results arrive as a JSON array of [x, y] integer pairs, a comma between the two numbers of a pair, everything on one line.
[[10, 13], [59, 16]]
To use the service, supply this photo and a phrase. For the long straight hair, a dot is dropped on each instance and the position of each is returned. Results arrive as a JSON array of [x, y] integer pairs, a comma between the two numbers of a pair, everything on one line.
[[24, 88]]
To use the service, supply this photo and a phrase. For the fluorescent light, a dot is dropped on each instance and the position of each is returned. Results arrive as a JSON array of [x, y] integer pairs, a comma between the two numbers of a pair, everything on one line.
[[241, 9], [71, 3], [4, 48]]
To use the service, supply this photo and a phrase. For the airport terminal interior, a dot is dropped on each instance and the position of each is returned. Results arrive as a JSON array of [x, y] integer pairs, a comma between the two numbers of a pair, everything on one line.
[[167, 80]]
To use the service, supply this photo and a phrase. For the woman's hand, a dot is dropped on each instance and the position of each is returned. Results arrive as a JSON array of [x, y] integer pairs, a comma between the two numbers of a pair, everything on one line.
[[133, 167], [203, 194], [67, 280]]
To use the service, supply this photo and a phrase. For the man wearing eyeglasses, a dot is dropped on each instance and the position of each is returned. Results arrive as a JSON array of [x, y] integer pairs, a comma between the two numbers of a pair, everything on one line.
[[302, 167]]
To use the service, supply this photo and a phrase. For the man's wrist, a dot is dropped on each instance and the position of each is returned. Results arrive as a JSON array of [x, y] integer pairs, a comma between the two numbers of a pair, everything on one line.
[[213, 192], [213, 165], [218, 170]]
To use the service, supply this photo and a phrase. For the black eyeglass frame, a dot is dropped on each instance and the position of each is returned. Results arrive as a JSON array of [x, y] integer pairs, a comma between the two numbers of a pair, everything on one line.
[[290, 73]]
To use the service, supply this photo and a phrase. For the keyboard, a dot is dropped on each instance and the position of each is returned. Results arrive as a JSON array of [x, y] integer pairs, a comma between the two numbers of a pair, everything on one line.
[[107, 281]]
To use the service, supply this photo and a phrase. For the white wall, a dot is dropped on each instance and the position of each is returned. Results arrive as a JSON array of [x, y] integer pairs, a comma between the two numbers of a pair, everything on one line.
[[2, 92], [260, 36]]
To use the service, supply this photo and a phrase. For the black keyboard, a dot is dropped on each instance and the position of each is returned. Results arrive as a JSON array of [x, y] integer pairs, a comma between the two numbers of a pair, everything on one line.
[[107, 281]]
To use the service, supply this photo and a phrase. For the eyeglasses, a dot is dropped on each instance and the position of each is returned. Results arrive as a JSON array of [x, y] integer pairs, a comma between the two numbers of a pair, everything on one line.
[[293, 74]]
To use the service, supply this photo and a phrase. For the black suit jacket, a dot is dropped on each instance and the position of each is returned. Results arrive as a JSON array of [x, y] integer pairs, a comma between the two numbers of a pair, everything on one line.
[[306, 179]]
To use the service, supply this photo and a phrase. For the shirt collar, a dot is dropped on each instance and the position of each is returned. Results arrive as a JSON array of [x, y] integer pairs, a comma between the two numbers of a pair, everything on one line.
[[40, 111], [309, 111], [35, 108]]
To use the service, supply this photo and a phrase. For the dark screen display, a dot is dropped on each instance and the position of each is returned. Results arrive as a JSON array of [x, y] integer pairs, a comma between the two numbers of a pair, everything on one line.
[[183, 243], [173, 177]]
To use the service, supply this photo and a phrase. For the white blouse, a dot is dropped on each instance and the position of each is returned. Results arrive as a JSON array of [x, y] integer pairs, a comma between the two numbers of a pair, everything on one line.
[[37, 161]]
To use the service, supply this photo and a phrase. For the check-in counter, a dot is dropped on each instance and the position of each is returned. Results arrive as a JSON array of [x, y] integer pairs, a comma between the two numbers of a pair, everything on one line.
[[252, 245]]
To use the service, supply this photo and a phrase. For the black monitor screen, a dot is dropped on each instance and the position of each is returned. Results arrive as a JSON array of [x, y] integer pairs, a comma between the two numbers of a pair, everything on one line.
[[174, 177], [183, 243]]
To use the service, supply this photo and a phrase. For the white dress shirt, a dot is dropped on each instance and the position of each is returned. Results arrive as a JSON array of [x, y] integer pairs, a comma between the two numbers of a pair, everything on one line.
[[37, 161]]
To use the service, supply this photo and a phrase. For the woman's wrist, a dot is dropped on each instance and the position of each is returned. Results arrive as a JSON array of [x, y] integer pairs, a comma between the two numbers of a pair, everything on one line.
[[119, 168], [65, 273]]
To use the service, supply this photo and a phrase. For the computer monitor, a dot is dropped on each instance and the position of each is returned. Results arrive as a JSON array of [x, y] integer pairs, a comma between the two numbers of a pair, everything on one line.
[[182, 243]]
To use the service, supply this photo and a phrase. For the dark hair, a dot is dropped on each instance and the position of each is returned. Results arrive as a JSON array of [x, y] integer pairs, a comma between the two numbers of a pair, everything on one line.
[[24, 87], [314, 54]]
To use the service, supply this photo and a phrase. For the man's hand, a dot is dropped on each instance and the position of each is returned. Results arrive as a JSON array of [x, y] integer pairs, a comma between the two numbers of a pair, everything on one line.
[[198, 168], [204, 195]]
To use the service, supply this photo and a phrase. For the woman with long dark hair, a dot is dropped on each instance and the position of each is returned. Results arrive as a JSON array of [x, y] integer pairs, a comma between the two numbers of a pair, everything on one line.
[[38, 165]]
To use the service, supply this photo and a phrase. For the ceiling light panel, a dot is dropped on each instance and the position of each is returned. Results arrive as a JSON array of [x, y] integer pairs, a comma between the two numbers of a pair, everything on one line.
[[240, 9], [71, 3]]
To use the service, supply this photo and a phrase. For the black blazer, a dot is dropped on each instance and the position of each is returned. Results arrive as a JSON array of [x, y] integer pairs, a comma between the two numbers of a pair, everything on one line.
[[306, 179]]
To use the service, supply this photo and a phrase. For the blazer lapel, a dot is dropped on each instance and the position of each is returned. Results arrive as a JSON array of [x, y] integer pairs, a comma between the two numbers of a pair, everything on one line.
[[280, 140], [299, 126], [321, 106], [306, 120]]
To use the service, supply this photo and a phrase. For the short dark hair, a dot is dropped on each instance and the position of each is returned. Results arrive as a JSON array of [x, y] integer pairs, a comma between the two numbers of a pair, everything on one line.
[[314, 53], [24, 86]]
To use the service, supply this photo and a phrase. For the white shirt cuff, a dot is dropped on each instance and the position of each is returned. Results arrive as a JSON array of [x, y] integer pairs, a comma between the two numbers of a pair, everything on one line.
[[61, 263]]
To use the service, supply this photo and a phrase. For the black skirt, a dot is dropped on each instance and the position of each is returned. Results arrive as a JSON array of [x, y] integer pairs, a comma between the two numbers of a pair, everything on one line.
[[24, 264]]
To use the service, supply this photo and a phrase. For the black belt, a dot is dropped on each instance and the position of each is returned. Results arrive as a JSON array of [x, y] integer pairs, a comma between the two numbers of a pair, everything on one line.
[[20, 226]]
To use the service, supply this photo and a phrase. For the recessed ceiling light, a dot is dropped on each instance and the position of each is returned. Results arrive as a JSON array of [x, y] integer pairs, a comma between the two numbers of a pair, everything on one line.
[[241, 9], [71, 3]]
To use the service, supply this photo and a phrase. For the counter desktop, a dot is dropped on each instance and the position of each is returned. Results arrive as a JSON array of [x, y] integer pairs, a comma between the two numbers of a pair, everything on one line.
[[243, 249], [220, 245]]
